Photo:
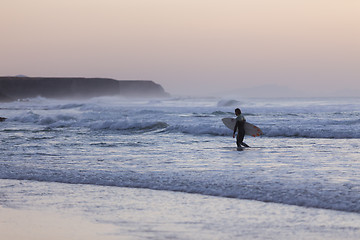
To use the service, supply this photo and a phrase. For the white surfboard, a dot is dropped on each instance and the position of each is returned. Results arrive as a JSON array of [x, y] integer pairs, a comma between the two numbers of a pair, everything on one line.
[[250, 129]]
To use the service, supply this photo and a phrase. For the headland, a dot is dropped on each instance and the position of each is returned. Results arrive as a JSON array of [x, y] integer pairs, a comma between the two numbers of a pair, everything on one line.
[[15, 88]]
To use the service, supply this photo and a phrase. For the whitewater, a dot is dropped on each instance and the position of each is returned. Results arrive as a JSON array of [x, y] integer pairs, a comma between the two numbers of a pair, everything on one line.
[[58, 153]]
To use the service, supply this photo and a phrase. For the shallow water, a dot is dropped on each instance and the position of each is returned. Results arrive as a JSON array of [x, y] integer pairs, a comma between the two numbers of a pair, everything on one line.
[[309, 154]]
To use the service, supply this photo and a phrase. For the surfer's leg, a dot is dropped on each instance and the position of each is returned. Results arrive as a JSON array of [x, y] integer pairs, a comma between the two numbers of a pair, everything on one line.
[[244, 144], [238, 141]]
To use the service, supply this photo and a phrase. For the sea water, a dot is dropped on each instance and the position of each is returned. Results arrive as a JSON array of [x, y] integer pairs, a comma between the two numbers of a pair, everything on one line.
[[308, 158]]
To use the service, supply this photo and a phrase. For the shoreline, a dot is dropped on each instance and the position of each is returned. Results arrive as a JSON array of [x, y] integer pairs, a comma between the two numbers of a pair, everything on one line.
[[57, 211]]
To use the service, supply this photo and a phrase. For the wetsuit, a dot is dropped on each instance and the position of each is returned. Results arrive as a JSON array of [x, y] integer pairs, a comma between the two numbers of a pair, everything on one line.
[[239, 126]]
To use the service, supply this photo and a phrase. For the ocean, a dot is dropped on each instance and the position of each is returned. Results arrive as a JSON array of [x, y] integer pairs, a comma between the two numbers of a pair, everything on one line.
[[169, 168]]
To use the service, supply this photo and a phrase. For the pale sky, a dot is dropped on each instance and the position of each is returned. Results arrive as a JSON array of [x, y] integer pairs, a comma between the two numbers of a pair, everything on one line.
[[187, 46]]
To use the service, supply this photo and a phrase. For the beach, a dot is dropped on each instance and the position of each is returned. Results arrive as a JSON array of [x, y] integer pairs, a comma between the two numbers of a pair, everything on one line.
[[122, 213], [21, 224], [116, 120]]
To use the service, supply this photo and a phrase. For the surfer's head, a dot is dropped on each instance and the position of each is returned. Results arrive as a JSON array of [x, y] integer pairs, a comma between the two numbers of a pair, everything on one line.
[[237, 111]]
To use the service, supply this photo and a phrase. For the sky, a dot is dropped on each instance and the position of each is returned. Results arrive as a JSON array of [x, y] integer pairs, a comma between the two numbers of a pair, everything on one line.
[[203, 47]]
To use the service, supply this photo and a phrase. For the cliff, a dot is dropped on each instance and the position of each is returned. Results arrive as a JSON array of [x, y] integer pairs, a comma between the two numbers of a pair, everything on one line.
[[13, 88]]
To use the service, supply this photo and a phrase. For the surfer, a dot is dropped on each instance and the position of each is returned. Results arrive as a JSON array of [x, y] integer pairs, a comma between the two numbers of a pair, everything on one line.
[[239, 126]]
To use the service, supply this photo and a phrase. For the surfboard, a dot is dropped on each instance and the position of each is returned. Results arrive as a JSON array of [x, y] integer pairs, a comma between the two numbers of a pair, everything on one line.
[[250, 129]]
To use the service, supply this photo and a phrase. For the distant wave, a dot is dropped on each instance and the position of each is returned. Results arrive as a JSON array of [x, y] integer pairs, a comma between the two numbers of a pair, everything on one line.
[[288, 132], [68, 106], [203, 119], [340, 130], [126, 125], [69, 120], [228, 103], [310, 133], [200, 129]]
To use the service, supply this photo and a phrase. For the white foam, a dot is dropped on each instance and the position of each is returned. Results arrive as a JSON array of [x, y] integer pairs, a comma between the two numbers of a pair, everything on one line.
[[213, 183], [172, 145]]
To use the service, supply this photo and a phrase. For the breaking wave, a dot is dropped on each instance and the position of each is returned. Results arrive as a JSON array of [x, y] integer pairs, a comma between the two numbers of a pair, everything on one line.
[[342, 197]]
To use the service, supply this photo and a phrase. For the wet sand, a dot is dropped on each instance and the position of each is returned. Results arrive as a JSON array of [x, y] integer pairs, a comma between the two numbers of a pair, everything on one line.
[[20, 224]]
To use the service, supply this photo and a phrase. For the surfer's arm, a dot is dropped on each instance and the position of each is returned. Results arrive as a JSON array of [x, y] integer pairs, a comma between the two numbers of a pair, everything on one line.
[[235, 128]]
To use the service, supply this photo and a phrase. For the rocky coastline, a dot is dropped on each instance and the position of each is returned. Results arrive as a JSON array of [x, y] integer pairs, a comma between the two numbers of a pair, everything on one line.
[[17, 88]]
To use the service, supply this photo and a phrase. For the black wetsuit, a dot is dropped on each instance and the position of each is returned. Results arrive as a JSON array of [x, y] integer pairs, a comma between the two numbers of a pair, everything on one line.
[[239, 127]]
